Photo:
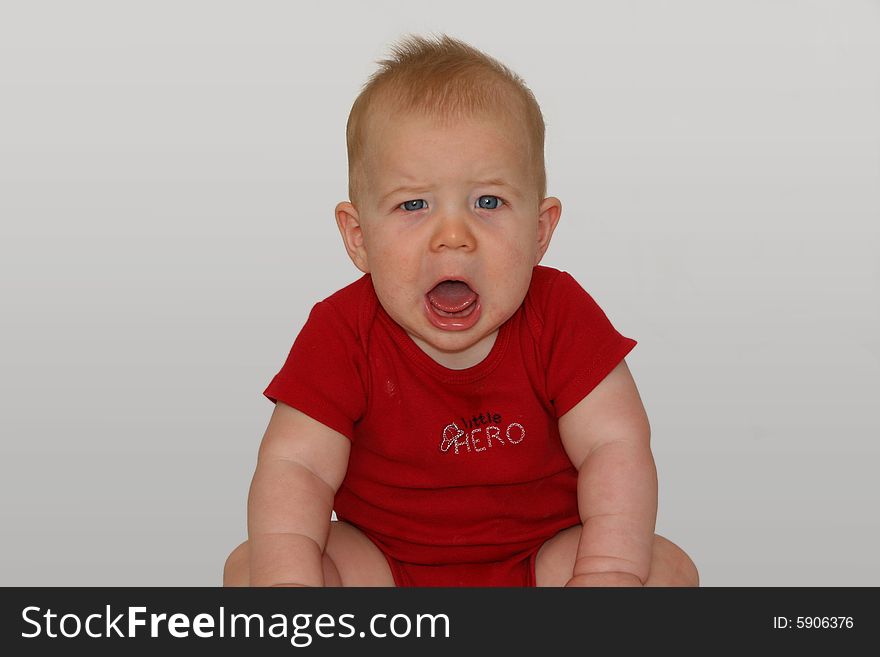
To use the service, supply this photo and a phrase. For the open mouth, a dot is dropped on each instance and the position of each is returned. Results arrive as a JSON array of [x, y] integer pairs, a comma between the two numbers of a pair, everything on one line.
[[452, 297], [452, 305]]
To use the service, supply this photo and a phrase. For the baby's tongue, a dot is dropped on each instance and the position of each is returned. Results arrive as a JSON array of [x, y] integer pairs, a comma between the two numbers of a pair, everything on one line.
[[452, 296]]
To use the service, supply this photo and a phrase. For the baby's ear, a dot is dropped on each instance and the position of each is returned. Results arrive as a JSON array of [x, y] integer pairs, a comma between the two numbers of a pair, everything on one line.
[[349, 224], [548, 216]]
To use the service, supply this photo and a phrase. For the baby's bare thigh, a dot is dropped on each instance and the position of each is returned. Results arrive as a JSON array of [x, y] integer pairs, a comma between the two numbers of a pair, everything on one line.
[[555, 561], [350, 559], [357, 559], [670, 565]]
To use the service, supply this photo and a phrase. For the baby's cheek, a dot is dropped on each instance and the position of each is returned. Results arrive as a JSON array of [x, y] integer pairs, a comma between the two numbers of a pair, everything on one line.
[[380, 254], [519, 263], [394, 274], [516, 256], [399, 266]]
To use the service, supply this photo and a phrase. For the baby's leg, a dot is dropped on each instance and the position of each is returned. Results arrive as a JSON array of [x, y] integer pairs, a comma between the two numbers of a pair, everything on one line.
[[350, 559], [670, 566]]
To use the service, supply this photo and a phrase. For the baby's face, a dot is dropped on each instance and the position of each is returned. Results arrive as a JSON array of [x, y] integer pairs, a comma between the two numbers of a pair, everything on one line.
[[444, 204]]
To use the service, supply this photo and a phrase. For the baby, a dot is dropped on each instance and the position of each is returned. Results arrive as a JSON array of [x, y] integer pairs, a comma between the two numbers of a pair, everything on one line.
[[466, 412]]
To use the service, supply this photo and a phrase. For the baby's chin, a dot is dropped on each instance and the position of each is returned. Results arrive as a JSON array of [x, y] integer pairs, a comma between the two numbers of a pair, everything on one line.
[[456, 351], [458, 342], [450, 342]]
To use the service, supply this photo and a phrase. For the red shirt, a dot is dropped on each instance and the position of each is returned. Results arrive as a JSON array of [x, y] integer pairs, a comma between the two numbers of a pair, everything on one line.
[[453, 466]]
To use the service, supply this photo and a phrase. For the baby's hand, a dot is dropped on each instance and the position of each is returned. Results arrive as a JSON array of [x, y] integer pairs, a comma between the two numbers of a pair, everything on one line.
[[604, 579]]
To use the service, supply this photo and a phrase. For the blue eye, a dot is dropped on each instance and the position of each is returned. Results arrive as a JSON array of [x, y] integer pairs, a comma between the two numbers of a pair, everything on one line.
[[483, 206], [406, 204], [485, 202]]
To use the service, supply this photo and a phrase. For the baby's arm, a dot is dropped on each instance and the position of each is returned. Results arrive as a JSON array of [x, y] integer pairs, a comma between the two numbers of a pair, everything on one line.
[[301, 464], [606, 436]]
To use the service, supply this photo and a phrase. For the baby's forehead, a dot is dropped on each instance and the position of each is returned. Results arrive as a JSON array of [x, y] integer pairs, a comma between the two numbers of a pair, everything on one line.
[[479, 147], [415, 135], [380, 118], [501, 168]]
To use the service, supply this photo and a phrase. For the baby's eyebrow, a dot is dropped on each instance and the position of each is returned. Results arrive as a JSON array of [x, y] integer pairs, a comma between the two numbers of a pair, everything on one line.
[[493, 181], [406, 188], [500, 182]]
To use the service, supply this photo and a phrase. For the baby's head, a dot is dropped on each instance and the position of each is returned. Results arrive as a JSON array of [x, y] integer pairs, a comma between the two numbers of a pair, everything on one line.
[[447, 183]]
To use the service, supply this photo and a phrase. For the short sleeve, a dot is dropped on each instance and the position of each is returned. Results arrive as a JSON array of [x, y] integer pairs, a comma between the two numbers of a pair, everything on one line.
[[322, 376], [579, 345]]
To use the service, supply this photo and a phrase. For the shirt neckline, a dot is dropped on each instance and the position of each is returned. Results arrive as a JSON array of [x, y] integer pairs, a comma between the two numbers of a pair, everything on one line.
[[441, 372]]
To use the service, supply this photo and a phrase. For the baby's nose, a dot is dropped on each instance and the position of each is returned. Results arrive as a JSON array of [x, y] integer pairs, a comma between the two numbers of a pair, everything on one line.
[[453, 232]]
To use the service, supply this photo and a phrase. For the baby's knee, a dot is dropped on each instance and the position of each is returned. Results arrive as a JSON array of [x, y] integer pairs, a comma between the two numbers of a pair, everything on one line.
[[682, 566], [235, 570], [689, 571]]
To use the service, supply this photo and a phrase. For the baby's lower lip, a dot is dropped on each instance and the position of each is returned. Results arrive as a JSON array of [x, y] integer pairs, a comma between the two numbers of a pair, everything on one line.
[[459, 321]]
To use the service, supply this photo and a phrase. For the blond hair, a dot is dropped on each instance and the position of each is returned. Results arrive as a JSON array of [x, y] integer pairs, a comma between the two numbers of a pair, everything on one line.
[[447, 80]]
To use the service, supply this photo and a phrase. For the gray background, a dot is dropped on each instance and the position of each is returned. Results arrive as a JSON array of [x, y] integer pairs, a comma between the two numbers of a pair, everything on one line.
[[168, 172]]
